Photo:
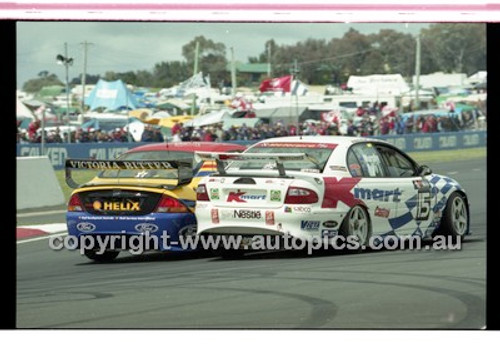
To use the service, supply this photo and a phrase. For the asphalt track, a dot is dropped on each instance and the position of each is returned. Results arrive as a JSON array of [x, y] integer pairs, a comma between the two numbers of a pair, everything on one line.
[[404, 289]]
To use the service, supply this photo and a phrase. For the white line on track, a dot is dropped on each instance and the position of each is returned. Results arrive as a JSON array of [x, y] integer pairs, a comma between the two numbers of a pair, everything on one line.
[[32, 214], [55, 235], [454, 172]]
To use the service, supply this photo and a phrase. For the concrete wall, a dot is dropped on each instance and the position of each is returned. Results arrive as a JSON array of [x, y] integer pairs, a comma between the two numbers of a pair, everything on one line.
[[37, 185]]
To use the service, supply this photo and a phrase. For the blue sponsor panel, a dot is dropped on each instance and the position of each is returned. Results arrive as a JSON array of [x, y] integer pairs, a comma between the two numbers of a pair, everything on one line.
[[58, 153], [436, 141], [154, 224]]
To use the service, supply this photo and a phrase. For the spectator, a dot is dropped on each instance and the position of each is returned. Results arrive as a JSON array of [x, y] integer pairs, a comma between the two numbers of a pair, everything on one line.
[[177, 137]]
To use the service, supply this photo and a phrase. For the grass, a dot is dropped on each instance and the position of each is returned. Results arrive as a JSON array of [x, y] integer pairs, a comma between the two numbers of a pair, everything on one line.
[[421, 157], [78, 176], [448, 155]]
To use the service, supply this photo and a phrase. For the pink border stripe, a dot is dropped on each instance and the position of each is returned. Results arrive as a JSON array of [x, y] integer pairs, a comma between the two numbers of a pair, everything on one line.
[[247, 7], [23, 233]]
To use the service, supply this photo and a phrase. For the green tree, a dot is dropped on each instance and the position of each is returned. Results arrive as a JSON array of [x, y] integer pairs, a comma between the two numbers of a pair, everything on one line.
[[44, 79], [89, 79], [349, 53], [394, 53], [167, 74], [212, 58], [454, 47]]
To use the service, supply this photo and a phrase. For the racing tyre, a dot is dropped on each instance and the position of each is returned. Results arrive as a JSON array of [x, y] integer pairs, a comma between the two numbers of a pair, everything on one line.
[[355, 230], [231, 254], [455, 221], [107, 256]]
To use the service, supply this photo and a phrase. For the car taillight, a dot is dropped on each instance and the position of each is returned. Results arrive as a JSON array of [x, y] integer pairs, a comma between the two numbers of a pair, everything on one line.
[[296, 195], [201, 193], [168, 204], [75, 204]]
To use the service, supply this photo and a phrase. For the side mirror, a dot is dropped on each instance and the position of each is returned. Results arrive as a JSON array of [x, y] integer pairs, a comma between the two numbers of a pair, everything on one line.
[[424, 170]]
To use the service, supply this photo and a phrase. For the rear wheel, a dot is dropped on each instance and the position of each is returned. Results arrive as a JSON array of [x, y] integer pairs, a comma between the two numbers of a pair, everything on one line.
[[455, 221], [232, 254], [106, 256], [356, 229]]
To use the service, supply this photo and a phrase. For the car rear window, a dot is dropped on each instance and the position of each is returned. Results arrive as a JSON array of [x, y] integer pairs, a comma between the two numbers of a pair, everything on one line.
[[319, 153]]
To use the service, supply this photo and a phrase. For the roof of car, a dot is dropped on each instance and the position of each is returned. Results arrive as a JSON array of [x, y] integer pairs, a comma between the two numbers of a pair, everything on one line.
[[328, 139], [189, 146]]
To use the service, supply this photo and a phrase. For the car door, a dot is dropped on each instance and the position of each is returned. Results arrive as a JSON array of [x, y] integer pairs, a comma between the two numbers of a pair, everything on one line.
[[378, 193], [414, 206]]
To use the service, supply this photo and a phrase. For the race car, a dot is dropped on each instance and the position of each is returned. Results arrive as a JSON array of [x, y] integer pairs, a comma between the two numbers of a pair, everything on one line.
[[323, 187], [148, 190]]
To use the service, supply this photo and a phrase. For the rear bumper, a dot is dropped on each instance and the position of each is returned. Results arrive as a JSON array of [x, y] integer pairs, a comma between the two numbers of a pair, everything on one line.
[[167, 227], [303, 222]]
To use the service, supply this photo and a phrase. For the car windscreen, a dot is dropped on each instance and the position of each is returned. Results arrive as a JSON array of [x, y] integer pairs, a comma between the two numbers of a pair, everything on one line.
[[318, 155], [148, 156]]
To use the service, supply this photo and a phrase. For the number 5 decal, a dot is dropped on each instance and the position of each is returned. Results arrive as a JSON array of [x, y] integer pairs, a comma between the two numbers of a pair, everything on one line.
[[423, 205]]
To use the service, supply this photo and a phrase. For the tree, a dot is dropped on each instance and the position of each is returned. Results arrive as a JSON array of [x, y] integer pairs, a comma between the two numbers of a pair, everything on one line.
[[394, 51], [167, 74], [212, 58], [89, 79], [45, 79], [454, 47]]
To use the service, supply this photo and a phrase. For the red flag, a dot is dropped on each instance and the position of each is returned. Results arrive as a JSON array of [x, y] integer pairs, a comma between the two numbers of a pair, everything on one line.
[[276, 84], [334, 116]]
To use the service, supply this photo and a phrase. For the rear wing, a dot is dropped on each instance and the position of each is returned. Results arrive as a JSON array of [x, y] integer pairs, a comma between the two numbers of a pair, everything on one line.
[[184, 168], [278, 158]]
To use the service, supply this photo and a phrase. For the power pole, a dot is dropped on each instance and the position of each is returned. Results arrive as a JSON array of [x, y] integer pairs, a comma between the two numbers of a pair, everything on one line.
[[269, 60], [233, 74], [195, 71], [67, 82], [84, 75], [295, 72], [417, 73]]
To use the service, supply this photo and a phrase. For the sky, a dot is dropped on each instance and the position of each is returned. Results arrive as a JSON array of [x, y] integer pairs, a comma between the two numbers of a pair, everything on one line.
[[132, 46]]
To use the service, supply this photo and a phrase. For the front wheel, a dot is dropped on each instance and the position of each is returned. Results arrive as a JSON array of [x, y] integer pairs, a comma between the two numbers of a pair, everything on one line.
[[106, 256], [356, 229], [455, 221]]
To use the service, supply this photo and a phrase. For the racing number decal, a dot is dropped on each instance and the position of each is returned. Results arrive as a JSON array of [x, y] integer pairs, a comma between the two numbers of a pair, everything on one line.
[[423, 205]]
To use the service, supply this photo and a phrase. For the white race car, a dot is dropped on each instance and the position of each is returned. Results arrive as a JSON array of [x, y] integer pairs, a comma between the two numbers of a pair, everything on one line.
[[317, 187]]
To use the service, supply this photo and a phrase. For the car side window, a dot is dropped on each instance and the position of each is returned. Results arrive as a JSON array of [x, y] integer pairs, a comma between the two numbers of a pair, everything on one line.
[[397, 165], [353, 164], [366, 159]]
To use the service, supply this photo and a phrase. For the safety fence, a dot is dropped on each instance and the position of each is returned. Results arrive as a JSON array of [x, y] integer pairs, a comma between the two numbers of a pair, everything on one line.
[[58, 153]]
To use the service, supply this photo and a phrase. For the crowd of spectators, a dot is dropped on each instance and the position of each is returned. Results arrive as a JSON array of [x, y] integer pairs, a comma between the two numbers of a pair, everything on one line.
[[375, 120]]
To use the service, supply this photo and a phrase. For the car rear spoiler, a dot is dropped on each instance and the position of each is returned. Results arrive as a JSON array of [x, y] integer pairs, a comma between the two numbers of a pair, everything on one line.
[[184, 168], [278, 158]]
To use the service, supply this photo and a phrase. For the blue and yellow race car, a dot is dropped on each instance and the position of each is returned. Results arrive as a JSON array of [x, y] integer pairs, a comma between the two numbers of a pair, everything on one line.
[[144, 200]]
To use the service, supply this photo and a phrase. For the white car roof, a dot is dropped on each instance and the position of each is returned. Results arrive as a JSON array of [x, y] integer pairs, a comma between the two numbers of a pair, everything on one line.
[[333, 139]]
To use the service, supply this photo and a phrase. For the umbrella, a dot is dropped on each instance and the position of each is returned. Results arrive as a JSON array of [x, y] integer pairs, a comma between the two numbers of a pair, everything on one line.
[[169, 122]]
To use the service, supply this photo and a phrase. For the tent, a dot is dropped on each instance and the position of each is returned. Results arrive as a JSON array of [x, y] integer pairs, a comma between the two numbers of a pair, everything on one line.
[[111, 96], [108, 123], [378, 84], [22, 111], [51, 91], [169, 122], [208, 119]]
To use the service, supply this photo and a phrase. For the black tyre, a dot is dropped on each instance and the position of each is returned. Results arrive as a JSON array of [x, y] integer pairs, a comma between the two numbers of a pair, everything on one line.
[[106, 256], [356, 229], [455, 221], [231, 254]]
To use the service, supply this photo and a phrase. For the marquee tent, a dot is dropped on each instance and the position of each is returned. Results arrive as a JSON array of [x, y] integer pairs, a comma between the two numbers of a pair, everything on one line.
[[111, 96]]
